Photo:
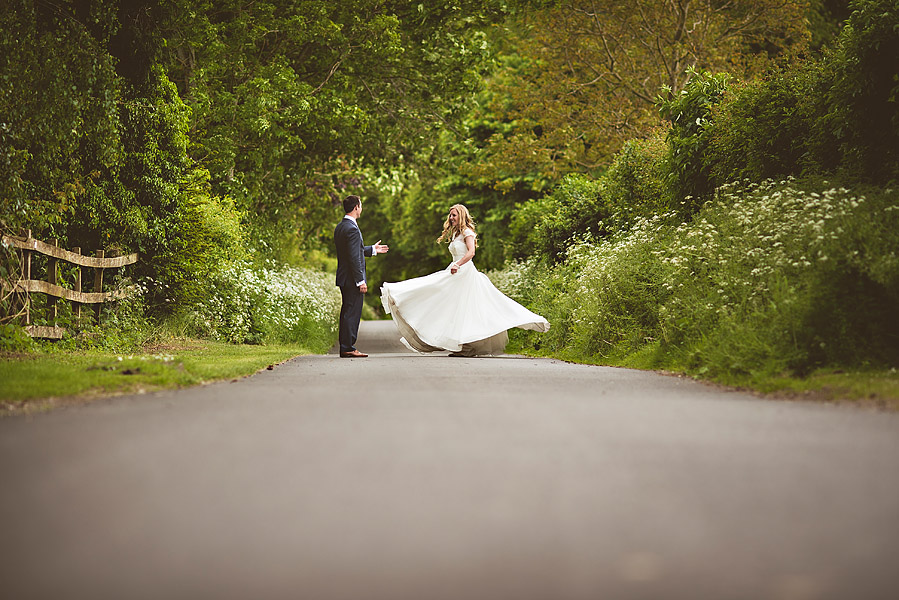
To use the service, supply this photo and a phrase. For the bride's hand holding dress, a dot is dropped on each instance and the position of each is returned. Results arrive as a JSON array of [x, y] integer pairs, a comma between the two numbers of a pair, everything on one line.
[[469, 254]]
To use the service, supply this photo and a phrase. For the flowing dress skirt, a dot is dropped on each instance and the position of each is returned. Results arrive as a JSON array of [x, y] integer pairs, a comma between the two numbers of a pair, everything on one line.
[[460, 313]]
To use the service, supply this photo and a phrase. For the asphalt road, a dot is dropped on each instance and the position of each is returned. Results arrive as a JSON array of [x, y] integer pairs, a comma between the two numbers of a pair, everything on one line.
[[428, 477]]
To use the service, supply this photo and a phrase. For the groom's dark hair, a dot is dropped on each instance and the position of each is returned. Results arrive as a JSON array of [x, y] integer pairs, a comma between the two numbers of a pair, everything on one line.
[[350, 203]]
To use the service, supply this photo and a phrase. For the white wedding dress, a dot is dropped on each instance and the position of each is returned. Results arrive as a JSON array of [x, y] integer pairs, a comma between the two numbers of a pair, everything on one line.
[[462, 313]]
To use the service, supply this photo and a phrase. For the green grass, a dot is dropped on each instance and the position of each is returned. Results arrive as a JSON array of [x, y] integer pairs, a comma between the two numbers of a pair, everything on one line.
[[39, 381], [870, 388], [875, 388]]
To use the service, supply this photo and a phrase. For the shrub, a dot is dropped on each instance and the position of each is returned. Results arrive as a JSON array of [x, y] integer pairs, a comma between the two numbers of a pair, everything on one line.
[[242, 304], [535, 283], [766, 278], [864, 99], [634, 185], [156, 202], [546, 225], [690, 112], [777, 277], [59, 119], [766, 129], [14, 339], [617, 290], [834, 115], [602, 300], [205, 232], [123, 327], [581, 207]]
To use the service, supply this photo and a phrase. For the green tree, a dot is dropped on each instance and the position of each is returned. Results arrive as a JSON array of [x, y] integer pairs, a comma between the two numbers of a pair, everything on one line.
[[95, 143], [587, 74], [59, 115], [292, 101]]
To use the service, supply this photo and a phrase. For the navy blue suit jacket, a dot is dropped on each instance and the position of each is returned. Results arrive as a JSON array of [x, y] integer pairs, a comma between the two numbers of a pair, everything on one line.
[[351, 253]]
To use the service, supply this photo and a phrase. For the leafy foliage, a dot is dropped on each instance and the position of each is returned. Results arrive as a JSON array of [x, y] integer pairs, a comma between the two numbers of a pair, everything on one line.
[[864, 100], [243, 304], [59, 120], [200, 132], [781, 277], [767, 129], [584, 208], [582, 77], [688, 139], [833, 116], [769, 275], [318, 82]]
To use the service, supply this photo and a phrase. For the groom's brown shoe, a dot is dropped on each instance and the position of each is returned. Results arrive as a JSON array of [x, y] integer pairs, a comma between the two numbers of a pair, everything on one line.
[[353, 354]]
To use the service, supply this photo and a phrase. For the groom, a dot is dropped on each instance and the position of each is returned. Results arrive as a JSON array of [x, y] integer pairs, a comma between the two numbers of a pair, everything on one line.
[[351, 274]]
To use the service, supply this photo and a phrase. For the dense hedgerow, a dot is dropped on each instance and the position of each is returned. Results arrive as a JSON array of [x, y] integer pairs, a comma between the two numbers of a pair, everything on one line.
[[779, 277], [238, 303], [244, 304], [775, 277]]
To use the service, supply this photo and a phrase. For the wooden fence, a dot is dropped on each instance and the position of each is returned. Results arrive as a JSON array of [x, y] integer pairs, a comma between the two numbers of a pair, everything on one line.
[[27, 284]]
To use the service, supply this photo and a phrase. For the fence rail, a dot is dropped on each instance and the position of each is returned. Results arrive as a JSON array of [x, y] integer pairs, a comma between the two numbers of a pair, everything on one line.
[[27, 285]]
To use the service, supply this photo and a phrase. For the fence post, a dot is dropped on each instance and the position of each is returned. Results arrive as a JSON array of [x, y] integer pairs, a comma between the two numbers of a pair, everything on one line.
[[26, 274], [98, 283], [77, 305], [52, 278]]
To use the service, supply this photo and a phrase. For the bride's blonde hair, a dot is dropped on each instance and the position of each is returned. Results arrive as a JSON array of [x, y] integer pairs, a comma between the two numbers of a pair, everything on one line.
[[462, 223]]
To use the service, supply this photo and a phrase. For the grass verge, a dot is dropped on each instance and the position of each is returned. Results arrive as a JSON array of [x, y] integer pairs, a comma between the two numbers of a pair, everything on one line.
[[874, 388], [868, 388], [32, 383]]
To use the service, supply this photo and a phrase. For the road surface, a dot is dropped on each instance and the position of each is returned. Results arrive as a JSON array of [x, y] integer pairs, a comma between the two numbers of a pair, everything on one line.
[[427, 477]]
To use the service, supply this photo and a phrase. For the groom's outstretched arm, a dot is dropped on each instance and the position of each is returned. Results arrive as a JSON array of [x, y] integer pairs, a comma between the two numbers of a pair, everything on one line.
[[376, 248]]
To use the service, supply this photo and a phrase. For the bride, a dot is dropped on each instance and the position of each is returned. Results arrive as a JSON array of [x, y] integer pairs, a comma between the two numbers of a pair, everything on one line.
[[457, 309]]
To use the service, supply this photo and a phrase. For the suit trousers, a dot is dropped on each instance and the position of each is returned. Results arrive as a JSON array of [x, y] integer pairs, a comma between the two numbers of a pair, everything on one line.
[[350, 315]]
